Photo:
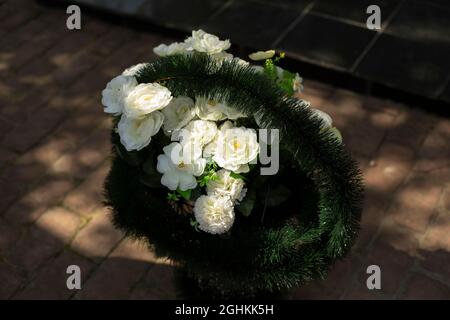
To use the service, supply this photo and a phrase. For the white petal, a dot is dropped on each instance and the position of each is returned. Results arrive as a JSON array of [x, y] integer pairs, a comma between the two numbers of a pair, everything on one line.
[[170, 180], [187, 182]]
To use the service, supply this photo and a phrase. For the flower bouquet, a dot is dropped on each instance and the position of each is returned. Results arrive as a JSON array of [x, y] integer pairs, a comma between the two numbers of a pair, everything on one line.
[[220, 167]]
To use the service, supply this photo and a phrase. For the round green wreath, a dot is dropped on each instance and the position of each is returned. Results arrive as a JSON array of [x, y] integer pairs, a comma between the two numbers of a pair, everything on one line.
[[274, 249]]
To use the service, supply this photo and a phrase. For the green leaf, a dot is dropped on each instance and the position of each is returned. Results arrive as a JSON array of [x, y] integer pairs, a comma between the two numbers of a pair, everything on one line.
[[247, 204], [194, 223], [277, 195], [269, 69], [185, 194], [172, 196], [237, 176]]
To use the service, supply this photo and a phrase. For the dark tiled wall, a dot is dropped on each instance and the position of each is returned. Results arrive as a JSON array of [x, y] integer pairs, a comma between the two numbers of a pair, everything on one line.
[[411, 51]]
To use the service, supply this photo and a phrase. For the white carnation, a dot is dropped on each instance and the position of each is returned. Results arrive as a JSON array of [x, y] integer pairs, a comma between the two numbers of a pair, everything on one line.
[[146, 98], [136, 134], [131, 71], [214, 213], [235, 148], [204, 42], [178, 113], [225, 185], [164, 50], [177, 172], [113, 96]]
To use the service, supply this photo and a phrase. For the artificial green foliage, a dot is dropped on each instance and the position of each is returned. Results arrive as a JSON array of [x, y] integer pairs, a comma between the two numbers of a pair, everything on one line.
[[300, 221]]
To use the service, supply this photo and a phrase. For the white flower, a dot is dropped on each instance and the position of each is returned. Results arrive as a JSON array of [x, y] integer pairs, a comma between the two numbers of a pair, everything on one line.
[[167, 50], [178, 113], [214, 213], [204, 42], [224, 184], [209, 109], [113, 96], [262, 55], [297, 84], [136, 134], [178, 174], [195, 136], [146, 98], [222, 56], [210, 148], [131, 71], [327, 122], [241, 62], [259, 69], [235, 148]]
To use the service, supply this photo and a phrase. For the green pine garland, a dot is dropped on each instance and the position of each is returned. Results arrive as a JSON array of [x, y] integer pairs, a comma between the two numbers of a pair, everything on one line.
[[284, 247]]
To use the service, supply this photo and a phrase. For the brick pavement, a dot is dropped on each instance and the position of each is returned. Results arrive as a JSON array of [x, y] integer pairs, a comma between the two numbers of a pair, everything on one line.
[[54, 156]]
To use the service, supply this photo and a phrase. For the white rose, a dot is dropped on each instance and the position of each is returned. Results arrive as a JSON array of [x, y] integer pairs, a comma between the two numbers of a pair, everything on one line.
[[222, 56], [164, 50], [113, 96], [214, 213], [131, 71], [225, 185], [210, 148], [136, 134], [178, 174], [235, 148], [209, 109], [259, 69], [261, 55], [146, 98], [204, 42], [195, 136], [178, 113], [327, 122]]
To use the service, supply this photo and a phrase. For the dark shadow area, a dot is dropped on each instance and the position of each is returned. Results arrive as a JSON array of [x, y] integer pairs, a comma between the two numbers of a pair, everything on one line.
[[54, 155]]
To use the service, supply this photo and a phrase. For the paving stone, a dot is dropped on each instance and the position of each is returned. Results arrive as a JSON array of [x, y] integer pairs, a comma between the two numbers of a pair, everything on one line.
[[394, 265], [316, 93], [34, 248], [423, 288], [435, 246], [333, 287], [97, 238], [85, 158], [435, 151], [384, 105], [26, 135], [390, 168], [158, 284], [10, 280], [410, 128], [46, 194], [88, 196], [415, 203], [60, 223], [10, 233], [116, 276], [50, 282]]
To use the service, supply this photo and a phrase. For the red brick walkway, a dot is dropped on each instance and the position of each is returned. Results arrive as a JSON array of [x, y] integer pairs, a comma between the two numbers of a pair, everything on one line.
[[54, 146]]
